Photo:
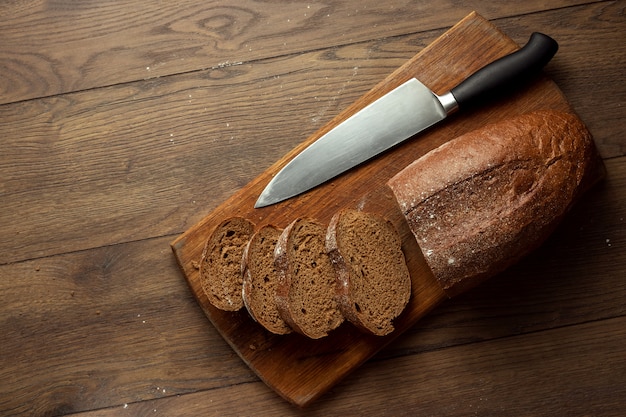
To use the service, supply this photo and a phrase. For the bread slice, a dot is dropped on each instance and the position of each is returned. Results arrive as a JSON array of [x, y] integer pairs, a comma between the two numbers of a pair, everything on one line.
[[260, 279], [480, 202], [305, 295], [220, 265], [374, 281]]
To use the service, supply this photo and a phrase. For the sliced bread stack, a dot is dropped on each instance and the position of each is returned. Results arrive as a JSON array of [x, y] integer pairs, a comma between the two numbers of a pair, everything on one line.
[[308, 277]]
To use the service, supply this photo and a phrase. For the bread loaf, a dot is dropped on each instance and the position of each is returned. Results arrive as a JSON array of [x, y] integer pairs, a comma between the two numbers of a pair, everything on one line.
[[480, 202], [220, 265], [305, 295], [260, 279], [374, 284]]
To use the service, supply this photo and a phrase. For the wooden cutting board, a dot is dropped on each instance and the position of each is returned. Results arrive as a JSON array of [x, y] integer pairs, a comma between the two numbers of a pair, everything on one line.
[[300, 369]]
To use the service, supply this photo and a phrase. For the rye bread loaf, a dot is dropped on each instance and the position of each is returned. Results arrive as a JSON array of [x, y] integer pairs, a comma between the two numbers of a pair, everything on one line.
[[305, 295], [260, 279], [480, 202], [374, 284], [220, 265]]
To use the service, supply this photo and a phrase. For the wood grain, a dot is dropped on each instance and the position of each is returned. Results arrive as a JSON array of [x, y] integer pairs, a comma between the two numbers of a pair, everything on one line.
[[102, 322], [93, 188], [457, 372], [283, 361], [60, 46]]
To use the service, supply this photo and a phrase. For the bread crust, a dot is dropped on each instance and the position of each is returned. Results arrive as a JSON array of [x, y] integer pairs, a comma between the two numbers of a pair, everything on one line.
[[342, 268], [480, 202], [284, 278]]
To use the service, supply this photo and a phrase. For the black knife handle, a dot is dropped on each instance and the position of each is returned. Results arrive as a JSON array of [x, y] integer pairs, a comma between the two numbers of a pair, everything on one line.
[[507, 72]]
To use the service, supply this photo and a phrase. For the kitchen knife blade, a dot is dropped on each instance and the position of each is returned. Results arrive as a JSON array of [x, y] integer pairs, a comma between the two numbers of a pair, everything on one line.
[[398, 115]]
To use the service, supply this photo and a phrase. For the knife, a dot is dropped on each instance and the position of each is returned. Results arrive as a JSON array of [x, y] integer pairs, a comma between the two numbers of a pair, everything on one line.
[[398, 115]]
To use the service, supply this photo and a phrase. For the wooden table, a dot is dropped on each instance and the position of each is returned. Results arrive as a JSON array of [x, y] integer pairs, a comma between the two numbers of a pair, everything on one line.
[[123, 124]]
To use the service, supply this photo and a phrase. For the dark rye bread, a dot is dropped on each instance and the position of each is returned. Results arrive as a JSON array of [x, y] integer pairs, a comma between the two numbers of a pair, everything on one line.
[[220, 265], [479, 203], [305, 295], [260, 279], [374, 284]]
